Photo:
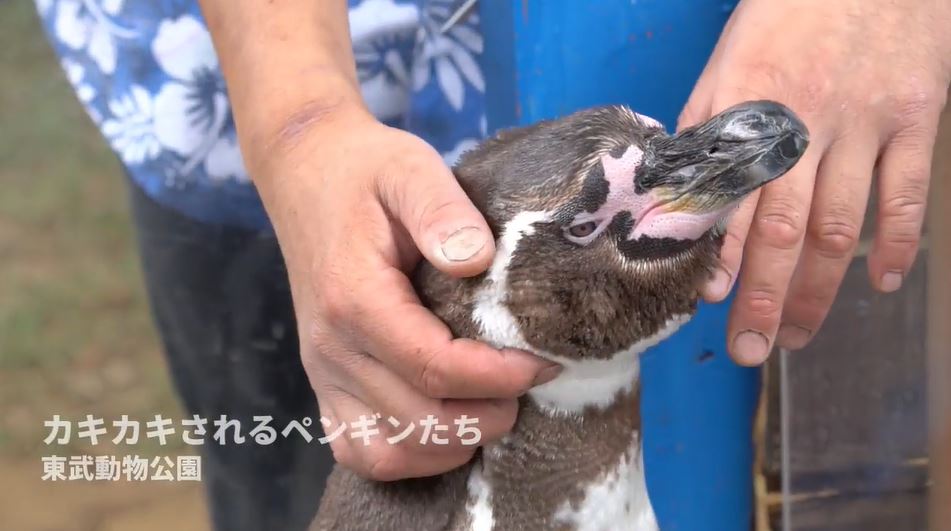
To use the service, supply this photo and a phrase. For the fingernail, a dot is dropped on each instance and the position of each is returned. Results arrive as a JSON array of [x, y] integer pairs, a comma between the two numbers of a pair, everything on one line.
[[891, 281], [718, 286], [793, 337], [547, 374], [750, 347], [463, 244]]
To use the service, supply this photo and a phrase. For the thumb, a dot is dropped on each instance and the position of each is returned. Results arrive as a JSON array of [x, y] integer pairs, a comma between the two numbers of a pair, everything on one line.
[[447, 228]]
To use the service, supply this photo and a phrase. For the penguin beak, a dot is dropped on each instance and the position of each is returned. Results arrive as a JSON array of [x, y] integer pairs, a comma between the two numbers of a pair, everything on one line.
[[699, 175]]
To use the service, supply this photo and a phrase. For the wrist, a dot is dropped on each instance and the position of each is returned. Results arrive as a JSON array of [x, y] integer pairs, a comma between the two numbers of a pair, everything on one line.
[[287, 65], [271, 128]]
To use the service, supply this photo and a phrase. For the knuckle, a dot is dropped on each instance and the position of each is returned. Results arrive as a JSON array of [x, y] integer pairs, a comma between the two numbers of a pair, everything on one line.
[[344, 454], [435, 208], [915, 110], [385, 463], [914, 101], [332, 307], [809, 95], [311, 360], [406, 195], [805, 92], [415, 157], [433, 380], [333, 301], [764, 303], [781, 226], [901, 236], [809, 306], [907, 201], [318, 333], [765, 77], [834, 237]]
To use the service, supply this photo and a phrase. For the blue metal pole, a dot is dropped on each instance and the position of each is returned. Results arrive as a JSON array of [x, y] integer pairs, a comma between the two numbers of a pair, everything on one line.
[[547, 58]]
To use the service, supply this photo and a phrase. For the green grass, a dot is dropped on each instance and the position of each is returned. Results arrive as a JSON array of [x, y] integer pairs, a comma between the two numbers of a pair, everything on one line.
[[75, 334]]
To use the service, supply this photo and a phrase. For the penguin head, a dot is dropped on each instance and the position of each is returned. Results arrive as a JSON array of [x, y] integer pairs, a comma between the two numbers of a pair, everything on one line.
[[607, 226]]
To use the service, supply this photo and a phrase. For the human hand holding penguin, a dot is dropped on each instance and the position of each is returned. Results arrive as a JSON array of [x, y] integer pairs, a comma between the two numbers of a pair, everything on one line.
[[354, 207], [869, 78], [367, 343], [606, 229]]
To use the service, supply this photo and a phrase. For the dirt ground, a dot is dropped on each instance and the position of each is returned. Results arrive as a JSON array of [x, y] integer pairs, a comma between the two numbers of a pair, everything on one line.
[[75, 335]]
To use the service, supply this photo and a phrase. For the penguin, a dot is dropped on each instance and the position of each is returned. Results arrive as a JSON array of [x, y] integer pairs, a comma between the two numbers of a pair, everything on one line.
[[606, 227]]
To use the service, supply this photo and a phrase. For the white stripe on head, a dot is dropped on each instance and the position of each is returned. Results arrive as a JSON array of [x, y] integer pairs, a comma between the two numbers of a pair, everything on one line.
[[499, 326]]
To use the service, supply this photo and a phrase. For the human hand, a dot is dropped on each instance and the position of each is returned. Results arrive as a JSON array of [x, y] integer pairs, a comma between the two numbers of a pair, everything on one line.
[[354, 203], [870, 79]]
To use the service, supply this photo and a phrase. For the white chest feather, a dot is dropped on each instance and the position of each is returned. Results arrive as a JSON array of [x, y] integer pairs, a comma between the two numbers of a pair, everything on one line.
[[479, 507], [617, 500], [597, 382]]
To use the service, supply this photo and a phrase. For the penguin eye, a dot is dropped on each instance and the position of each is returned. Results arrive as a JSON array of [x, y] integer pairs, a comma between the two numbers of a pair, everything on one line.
[[583, 230]]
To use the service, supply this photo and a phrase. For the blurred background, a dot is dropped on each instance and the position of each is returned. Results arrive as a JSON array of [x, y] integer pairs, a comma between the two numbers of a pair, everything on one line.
[[75, 333]]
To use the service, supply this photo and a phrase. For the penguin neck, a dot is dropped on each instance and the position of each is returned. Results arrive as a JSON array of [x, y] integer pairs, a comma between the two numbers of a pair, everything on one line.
[[596, 382], [567, 470], [574, 458]]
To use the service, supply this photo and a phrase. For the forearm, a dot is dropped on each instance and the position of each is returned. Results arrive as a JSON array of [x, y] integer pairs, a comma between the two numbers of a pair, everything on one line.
[[286, 65]]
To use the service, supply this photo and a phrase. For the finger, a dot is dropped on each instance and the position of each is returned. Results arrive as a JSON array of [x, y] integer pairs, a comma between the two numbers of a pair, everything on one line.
[[374, 456], [731, 252], [832, 234], [414, 343], [391, 396], [447, 228], [771, 253], [904, 175], [350, 384]]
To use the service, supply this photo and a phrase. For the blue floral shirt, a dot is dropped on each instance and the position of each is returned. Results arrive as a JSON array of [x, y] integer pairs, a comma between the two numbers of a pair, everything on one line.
[[148, 76]]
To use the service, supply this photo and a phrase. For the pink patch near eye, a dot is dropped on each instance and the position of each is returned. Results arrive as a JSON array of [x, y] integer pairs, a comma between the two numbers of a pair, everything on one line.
[[651, 219], [619, 173]]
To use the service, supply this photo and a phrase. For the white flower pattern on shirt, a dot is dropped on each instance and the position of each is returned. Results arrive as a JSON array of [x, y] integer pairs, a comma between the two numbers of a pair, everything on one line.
[[450, 54], [130, 129], [88, 25], [148, 75]]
